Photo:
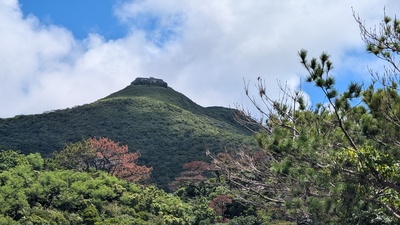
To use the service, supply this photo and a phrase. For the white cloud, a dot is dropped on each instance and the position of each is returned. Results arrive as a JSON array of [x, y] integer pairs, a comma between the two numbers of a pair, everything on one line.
[[201, 48]]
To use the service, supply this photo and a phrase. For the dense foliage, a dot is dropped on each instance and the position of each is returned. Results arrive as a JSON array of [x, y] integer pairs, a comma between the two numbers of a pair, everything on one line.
[[167, 127], [337, 162], [102, 154], [30, 194]]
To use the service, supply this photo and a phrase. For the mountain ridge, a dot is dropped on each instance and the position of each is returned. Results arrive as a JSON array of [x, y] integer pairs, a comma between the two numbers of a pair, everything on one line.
[[167, 127]]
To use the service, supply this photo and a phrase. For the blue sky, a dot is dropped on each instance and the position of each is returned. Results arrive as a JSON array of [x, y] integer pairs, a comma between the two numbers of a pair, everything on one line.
[[80, 17], [59, 54]]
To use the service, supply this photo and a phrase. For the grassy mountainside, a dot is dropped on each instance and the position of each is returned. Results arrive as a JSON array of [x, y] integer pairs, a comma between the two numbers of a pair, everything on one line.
[[167, 127]]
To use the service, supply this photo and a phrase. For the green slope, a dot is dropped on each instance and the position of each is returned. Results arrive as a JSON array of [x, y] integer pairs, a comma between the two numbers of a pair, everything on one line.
[[167, 127]]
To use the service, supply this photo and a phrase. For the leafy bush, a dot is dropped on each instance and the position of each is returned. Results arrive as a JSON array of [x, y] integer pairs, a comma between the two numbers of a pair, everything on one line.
[[32, 196]]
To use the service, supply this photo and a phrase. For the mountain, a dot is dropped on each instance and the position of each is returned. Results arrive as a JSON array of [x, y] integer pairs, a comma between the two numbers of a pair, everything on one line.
[[167, 127]]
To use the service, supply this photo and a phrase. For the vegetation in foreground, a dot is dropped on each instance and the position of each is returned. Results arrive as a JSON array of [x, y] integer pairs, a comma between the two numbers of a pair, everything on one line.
[[31, 193], [333, 163]]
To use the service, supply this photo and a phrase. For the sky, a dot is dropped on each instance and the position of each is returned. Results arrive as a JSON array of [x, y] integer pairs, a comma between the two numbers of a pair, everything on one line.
[[60, 54]]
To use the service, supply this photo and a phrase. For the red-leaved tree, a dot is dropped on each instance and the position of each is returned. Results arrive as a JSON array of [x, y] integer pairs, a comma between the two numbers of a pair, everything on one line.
[[220, 205], [117, 160], [194, 174]]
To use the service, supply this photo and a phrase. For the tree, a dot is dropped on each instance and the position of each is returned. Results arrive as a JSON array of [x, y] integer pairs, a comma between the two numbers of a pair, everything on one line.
[[194, 178], [78, 156], [384, 42], [220, 204], [10, 159], [102, 154], [28, 196], [335, 162], [117, 160]]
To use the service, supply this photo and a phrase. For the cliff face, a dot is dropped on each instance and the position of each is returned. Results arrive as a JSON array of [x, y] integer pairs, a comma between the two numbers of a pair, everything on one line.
[[149, 81]]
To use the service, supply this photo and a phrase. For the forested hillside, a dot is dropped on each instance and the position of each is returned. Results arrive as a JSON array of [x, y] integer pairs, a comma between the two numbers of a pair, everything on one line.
[[167, 127], [335, 162]]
